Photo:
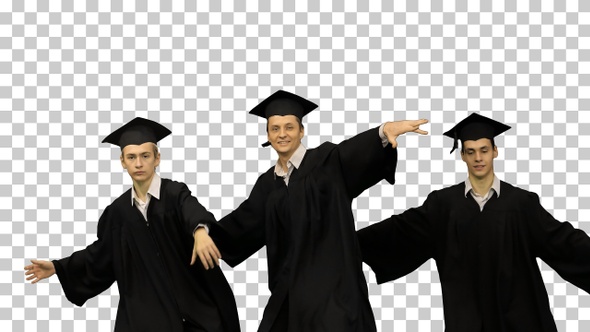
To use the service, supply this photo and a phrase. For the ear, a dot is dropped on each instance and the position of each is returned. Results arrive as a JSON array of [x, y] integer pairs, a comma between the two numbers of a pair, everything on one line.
[[157, 161], [463, 156], [301, 132], [122, 161], [495, 152]]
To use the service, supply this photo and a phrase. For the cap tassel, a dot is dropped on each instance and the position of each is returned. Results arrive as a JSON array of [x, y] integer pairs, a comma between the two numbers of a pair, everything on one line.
[[455, 145], [265, 144]]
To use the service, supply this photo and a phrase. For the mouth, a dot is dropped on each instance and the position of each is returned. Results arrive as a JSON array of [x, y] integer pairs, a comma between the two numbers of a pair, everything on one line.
[[283, 142], [479, 167], [139, 173]]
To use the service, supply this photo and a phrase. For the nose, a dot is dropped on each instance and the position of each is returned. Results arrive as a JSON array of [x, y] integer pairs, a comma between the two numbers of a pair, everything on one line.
[[138, 163], [478, 156], [282, 132]]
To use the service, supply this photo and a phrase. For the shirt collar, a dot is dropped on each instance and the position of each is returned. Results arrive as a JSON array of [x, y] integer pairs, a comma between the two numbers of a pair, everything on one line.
[[495, 186], [295, 160], [154, 189]]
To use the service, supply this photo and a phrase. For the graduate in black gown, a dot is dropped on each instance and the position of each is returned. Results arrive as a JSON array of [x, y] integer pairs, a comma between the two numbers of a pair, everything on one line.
[[485, 236], [301, 210], [145, 241]]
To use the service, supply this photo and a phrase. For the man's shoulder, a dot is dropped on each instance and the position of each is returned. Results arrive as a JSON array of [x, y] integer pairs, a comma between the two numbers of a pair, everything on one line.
[[516, 193], [320, 152], [124, 198], [168, 184], [451, 190]]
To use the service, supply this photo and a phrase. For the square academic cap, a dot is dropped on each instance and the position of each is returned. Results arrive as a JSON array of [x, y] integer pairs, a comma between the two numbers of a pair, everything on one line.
[[137, 132], [283, 103], [474, 127]]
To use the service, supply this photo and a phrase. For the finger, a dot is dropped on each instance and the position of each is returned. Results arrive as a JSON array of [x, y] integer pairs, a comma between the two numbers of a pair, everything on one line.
[[393, 143], [29, 272], [421, 132], [217, 252], [215, 258], [209, 259], [194, 257], [204, 261], [31, 277]]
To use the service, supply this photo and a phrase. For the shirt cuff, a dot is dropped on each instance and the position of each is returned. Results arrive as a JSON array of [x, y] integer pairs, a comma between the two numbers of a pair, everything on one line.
[[384, 139], [199, 226]]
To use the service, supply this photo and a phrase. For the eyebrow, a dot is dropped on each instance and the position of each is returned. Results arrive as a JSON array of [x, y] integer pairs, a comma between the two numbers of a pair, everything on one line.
[[135, 154], [480, 148], [284, 124]]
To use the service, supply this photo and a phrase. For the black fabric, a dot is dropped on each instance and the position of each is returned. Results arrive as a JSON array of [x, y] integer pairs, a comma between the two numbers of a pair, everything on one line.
[[309, 233], [137, 132], [474, 127], [150, 263], [283, 103], [486, 259]]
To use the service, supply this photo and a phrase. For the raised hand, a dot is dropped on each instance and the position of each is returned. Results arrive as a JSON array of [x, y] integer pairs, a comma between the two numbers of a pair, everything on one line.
[[39, 270], [393, 129]]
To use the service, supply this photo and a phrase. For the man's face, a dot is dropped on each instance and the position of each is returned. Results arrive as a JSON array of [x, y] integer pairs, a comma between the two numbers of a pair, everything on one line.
[[479, 156], [284, 134], [140, 161]]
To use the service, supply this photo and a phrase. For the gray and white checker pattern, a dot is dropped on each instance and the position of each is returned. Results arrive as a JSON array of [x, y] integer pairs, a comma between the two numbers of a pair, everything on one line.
[[72, 71]]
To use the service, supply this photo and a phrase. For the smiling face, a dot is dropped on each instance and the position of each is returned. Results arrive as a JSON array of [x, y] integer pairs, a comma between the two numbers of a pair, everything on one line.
[[140, 161], [284, 134], [479, 156]]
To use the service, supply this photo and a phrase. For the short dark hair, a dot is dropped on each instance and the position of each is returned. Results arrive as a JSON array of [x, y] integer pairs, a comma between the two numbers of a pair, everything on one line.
[[491, 140]]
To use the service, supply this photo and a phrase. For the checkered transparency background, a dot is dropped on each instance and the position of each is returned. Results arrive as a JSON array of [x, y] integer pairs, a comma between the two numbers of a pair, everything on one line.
[[73, 71]]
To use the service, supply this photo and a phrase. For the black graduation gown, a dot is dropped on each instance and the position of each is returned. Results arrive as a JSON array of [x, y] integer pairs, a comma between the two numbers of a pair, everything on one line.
[[486, 259], [314, 261], [150, 263]]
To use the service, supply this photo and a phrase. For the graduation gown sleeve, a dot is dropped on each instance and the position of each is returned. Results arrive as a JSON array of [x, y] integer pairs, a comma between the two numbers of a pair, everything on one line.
[[400, 244], [242, 232], [88, 272], [565, 248], [364, 161], [191, 211]]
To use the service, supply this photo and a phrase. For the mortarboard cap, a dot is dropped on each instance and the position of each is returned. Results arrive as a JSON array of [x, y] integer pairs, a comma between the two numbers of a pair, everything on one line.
[[137, 132], [474, 127], [283, 103]]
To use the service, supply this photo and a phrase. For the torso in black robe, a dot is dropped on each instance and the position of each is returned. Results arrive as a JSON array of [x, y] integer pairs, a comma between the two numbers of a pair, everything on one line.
[[150, 261], [486, 259], [314, 261]]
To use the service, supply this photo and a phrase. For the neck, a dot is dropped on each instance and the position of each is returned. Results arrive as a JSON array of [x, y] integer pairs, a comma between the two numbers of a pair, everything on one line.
[[482, 185], [141, 188], [283, 159]]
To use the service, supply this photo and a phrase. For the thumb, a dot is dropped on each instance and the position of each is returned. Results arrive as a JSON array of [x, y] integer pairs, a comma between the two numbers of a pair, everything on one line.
[[194, 257], [393, 142]]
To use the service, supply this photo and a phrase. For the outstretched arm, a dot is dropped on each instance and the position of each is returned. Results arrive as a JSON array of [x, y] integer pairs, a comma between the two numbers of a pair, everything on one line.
[[39, 270], [565, 248], [364, 160], [393, 130]]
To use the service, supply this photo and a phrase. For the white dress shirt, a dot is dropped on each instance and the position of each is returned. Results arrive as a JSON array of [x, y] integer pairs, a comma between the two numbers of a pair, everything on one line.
[[482, 200]]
